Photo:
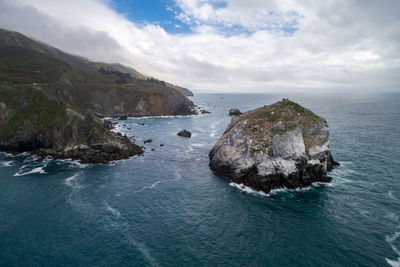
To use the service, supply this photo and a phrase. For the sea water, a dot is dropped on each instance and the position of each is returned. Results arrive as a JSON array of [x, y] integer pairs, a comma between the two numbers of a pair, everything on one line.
[[167, 208]]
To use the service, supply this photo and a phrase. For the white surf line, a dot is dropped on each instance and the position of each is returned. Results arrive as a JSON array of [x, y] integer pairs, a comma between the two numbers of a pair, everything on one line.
[[213, 129], [6, 163], [247, 189], [38, 170]]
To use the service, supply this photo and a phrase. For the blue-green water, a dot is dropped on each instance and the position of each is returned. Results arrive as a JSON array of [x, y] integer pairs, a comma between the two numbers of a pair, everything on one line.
[[167, 208]]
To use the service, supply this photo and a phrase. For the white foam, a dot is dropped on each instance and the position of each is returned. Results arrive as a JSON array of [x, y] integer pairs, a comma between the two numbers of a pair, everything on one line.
[[6, 163], [393, 263], [38, 170], [213, 127], [247, 189], [148, 187], [114, 211], [161, 117], [71, 181], [391, 239], [192, 146]]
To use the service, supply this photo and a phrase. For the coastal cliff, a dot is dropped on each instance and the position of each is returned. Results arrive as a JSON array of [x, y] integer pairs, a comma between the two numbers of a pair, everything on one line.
[[50, 102], [31, 121], [276, 146]]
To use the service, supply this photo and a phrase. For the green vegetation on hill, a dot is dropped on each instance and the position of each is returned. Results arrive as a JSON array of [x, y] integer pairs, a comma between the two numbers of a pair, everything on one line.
[[48, 100]]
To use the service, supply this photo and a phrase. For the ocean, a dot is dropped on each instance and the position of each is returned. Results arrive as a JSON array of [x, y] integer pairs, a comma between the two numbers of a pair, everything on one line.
[[167, 208]]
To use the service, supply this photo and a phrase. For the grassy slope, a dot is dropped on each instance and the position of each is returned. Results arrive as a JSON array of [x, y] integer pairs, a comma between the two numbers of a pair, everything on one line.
[[78, 82]]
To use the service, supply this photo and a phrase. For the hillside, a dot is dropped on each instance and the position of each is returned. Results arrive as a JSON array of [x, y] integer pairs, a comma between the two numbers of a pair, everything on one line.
[[48, 100]]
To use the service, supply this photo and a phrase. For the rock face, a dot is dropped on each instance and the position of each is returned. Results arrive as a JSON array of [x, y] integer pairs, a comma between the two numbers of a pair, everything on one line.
[[31, 121], [185, 133], [281, 145], [51, 102], [234, 112]]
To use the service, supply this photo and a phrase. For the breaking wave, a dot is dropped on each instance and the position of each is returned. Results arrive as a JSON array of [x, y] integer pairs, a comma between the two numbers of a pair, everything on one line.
[[37, 170]]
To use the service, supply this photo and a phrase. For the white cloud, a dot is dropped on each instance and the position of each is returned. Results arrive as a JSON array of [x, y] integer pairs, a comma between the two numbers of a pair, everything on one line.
[[338, 44]]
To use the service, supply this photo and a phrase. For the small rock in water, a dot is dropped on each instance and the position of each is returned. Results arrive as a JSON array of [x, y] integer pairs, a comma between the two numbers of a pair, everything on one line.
[[141, 123], [234, 112], [148, 141], [205, 111], [161, 144], [185, 133]]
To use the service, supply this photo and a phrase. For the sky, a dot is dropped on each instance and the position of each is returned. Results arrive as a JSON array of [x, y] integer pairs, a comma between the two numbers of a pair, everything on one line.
[[229, 46]]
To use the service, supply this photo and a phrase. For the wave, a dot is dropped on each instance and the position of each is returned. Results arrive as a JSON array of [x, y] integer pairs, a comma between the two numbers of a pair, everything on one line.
[[247, 189], [391, 241], [114, 211], [73, 163], [6, 163], [159, 117], [393, 263], [71, 181], [148, 187], [38, 170], [213, 129], [192, 146]]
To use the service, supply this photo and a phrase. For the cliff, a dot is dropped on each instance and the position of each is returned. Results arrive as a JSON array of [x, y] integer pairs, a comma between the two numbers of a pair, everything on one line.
[[281, 145], [48, 99], [31, 121]]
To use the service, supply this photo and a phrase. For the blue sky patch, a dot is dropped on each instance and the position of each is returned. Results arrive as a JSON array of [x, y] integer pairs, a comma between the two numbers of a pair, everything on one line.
[[164, 12], [151, 12]]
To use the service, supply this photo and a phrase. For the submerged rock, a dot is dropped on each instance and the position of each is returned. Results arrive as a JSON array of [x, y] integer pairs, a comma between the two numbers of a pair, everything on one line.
[[281, 145], [185, 133], [203, 111], [234, 112]]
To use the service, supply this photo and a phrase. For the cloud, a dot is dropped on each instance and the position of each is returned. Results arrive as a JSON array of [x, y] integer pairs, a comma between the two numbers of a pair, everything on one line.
[[234, 46]]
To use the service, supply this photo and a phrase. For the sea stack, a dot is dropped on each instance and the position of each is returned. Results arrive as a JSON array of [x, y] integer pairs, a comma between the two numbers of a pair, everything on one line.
[[283, 145]]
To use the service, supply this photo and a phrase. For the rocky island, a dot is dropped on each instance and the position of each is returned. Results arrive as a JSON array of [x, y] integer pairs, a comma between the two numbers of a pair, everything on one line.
[[51, 102], [283, 145]]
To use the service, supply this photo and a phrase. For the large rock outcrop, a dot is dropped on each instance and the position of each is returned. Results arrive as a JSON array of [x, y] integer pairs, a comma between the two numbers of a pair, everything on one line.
[[281, 145]]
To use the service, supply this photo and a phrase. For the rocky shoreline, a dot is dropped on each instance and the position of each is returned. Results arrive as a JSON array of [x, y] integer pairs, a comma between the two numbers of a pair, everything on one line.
[[283, 145]]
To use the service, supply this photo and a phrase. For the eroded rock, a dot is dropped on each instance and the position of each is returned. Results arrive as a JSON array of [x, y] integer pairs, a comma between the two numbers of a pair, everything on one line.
[[281, 145]]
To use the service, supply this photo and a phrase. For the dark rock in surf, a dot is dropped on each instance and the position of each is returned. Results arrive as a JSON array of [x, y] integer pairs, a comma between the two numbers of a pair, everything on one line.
[[185, 133], [234, 112]]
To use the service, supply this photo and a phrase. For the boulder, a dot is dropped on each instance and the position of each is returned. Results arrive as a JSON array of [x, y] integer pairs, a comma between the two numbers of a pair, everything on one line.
[[122, 118], [185, 133], [234, 112], [283, 145]]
